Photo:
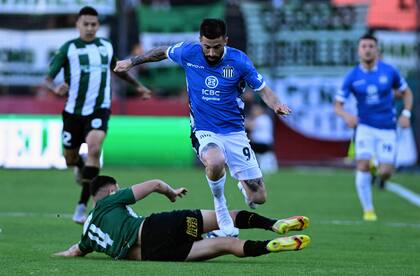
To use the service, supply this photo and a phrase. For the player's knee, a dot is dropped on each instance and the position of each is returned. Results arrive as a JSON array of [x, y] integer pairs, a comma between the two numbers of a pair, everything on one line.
[[385, 174]]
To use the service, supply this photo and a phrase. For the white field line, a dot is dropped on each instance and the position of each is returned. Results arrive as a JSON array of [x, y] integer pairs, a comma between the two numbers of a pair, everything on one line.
[[404, 193], [329, 222]]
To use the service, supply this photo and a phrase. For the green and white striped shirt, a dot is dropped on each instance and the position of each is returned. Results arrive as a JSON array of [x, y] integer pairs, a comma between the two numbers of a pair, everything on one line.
[[87, 71]]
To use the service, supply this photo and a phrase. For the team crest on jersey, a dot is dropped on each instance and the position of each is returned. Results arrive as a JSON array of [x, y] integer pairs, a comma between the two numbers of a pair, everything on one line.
[[211, 82], [103, 51], [228, 71]]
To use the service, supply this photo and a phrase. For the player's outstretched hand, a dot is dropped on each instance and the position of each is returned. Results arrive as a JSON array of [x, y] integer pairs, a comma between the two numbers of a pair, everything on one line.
[[144, 92], [282, 109], [180, 192], [123, 65], [61, 89]]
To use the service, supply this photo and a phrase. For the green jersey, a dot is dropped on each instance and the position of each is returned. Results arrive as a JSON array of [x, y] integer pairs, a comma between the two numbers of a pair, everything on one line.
[[112, 227], [87, 71]]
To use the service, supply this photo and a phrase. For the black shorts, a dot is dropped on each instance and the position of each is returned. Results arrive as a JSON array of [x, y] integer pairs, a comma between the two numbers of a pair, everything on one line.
[[76, 127], [169, 236]]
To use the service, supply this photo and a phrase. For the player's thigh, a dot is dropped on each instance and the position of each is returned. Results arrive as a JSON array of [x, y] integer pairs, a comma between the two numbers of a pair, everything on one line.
[[386, 148], [98, 120], [240, 157], [208, 147], [364, 143], [73, 131]]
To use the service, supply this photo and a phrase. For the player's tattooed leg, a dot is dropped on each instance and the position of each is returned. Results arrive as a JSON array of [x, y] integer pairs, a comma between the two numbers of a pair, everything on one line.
[[254, 184]]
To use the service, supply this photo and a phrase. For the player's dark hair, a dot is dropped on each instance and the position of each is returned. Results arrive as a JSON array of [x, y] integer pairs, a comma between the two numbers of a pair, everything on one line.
[[213, 28], [99, 182], [369, 36], [87, 10]]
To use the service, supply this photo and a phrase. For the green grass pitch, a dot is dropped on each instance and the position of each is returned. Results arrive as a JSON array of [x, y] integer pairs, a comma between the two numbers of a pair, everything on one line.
[[35, 206]]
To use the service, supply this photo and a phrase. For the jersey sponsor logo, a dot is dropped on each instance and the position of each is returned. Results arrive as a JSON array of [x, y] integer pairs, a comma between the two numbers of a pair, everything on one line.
[[383, 79], [96, 123], [176, 46], [102, 50], [81, 51], [195, 65], [228, 71], [211, 82], [192, 227], [210, 95], [359, 82], [204, 135], [93, 68]]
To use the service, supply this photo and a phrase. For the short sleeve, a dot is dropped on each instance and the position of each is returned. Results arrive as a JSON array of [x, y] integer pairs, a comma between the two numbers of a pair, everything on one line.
[[398, 82], [174, 52], [58, 61], [85, 247], [121, 197], [345, 90], [252, 78]]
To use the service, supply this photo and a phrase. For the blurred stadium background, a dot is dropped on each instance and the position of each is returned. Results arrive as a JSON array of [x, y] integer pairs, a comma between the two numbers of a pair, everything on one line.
[[304, 48]]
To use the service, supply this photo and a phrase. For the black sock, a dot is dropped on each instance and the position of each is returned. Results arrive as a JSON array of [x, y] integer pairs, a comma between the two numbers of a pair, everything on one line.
[[80, 163], [255, 248], [245, 220], [88, 174]]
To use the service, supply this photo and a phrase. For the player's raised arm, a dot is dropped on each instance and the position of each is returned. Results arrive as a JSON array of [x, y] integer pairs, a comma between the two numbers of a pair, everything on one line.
[[153, 55], [142, 190], [273, 102]]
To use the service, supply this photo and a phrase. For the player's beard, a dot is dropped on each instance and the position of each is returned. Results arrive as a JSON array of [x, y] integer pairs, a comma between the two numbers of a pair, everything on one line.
[[214, 61]]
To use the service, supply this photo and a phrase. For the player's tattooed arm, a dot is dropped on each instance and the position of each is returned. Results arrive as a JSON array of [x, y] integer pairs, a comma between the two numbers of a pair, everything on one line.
[[270, 98], [156, 54], [254, 184]]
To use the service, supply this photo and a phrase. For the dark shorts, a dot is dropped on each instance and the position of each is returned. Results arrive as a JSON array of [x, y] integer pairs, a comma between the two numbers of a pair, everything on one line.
[[76, 127], [169, 236]]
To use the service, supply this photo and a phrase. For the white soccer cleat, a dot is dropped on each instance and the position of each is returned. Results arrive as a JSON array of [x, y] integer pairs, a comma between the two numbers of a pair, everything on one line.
[[79, 215], [224, 220], [251, 204]]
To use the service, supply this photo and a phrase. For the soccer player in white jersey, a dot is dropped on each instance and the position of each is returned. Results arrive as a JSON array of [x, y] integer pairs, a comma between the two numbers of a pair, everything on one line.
[[87, 62], [216, 76], [373, 82]]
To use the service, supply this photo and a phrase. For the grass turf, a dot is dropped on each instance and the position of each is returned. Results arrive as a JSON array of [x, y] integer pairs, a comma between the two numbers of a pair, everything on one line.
[[35, 206]]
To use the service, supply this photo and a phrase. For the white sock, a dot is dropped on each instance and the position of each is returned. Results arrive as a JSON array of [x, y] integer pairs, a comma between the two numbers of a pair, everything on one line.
[[224, 220], [364, 191], [218, 189]]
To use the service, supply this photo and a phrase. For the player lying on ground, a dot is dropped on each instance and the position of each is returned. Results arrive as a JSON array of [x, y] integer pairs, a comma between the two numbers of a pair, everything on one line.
[[113, 228]]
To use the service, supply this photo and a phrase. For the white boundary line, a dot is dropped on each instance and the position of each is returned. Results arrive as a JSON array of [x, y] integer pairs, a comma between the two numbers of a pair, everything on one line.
[[404, 193]]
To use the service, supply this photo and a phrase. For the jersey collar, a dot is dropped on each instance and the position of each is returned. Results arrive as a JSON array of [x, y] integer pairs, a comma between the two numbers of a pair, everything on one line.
[[373, 69]]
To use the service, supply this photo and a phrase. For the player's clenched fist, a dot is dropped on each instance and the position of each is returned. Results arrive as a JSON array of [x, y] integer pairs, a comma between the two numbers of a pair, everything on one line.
[[123, 65], [61, 89]]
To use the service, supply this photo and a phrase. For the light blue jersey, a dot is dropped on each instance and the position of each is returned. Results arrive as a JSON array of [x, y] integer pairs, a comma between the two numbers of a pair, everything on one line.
[[373, 90], [215, 91]]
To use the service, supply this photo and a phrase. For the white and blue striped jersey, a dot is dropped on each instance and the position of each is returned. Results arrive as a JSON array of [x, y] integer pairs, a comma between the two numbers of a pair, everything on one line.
[[373, 90], [215, 91]]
